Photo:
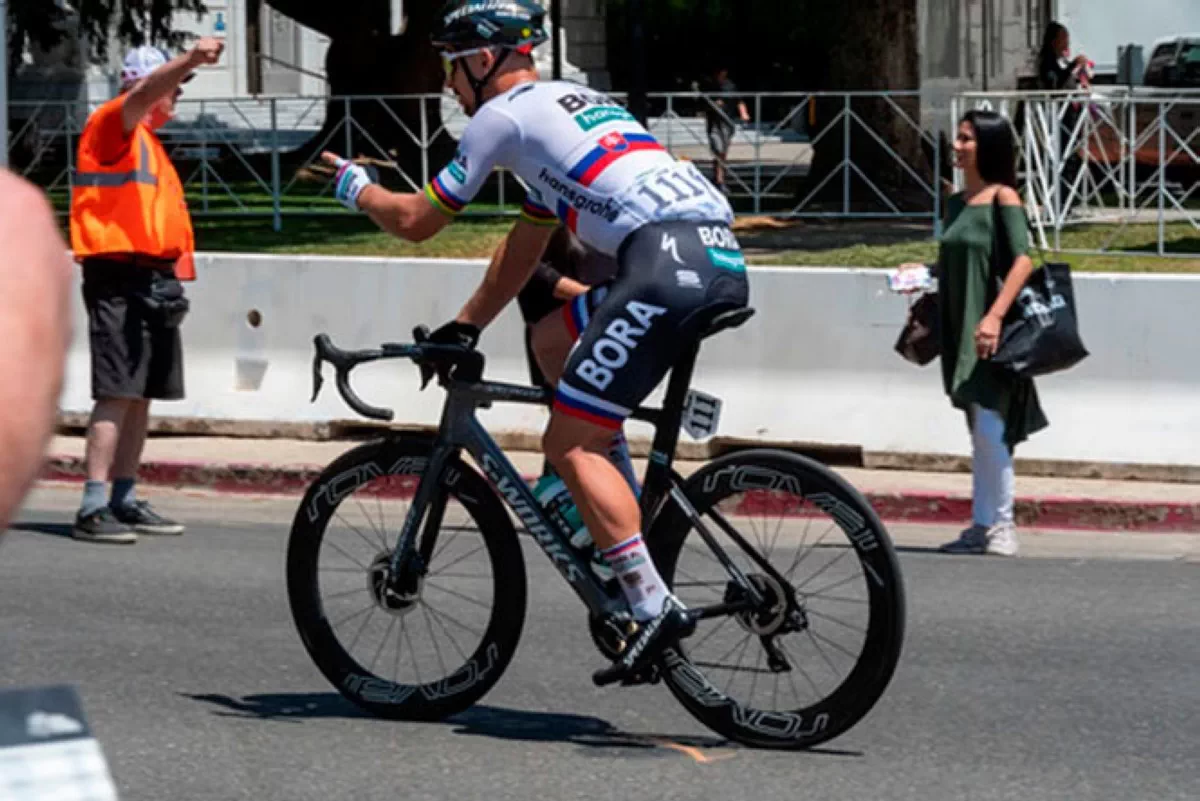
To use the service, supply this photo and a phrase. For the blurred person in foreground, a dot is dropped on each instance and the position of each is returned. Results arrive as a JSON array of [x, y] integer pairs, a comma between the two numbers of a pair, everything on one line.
[[131, 230], [35, 327], [1002, 408]]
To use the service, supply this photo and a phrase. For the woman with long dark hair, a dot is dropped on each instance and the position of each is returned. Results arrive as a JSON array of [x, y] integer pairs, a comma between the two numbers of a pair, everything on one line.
[[1002, 408], [1057, 71]]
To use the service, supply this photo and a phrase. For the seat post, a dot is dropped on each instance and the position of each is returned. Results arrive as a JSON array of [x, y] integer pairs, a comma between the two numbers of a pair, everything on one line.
[[666, 436]]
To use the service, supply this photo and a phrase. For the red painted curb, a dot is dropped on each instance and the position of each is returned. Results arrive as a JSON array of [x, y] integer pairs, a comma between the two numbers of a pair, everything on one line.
[[914, 507]]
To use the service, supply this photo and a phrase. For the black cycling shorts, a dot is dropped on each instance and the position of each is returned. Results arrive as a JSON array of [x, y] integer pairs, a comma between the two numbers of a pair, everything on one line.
[[132, 354], [672, 278]]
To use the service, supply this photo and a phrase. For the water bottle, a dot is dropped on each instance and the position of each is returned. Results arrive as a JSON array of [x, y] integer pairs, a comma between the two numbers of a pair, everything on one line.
[[555, 498]]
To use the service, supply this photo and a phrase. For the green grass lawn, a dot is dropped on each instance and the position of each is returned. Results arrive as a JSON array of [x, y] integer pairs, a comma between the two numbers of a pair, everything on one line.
[[799, 245]]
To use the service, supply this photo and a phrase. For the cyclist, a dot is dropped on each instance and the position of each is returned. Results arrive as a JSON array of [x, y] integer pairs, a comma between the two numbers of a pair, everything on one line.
[[591, 165]]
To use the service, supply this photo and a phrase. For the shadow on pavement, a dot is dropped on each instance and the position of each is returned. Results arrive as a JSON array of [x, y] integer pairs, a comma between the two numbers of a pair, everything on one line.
[[53, 529], [490, 721]]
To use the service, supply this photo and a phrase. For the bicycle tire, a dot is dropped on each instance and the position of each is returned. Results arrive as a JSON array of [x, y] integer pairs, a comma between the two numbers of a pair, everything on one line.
[[854, 697], [433, 700]]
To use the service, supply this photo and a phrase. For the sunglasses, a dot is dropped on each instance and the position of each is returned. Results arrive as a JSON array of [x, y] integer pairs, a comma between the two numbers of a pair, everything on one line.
[[449, 59]]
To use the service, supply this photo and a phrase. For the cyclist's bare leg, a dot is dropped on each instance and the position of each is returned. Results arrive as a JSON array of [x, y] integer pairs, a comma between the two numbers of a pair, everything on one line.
[[579, 452], [552, 343]]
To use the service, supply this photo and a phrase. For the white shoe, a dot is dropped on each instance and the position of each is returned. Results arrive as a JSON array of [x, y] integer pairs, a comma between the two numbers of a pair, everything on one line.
[[971, 540], [1002, 540]]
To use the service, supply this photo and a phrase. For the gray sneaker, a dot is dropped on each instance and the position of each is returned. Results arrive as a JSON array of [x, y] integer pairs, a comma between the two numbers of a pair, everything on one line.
[[144, 520], [971, 540], [102, 526], [1002, 540]]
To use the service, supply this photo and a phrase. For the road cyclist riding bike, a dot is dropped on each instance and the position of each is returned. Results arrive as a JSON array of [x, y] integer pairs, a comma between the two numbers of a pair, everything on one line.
[[591, 165]]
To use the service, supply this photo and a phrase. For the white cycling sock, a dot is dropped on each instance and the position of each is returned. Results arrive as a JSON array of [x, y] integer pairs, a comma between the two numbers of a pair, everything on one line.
[[639, 579]]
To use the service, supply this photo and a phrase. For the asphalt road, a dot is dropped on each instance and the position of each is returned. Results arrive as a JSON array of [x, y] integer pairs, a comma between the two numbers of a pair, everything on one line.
[[1070, 674]]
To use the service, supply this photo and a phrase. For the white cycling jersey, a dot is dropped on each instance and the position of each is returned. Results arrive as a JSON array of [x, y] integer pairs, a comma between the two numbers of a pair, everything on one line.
[[586, 161]]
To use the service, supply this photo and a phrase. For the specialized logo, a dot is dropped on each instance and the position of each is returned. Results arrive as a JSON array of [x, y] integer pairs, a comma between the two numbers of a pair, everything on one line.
[[595, 117], [611, 351], [670, 245]]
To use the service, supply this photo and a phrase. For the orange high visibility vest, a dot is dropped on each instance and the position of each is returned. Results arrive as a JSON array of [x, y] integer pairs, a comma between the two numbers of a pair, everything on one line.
[[134, 205]]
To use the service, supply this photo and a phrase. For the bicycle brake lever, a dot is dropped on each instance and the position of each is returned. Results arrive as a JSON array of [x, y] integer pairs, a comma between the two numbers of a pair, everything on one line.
[[421, 334]]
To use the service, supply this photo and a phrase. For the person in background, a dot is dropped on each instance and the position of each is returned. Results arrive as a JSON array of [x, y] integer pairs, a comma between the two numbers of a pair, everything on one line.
[[131, 230], [720, 129], [35, 327], [1056, 70], [1002, 409], [567, 269]]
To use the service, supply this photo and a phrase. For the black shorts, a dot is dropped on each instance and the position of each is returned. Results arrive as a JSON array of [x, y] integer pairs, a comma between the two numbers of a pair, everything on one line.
[[133, 354], [630, 332]]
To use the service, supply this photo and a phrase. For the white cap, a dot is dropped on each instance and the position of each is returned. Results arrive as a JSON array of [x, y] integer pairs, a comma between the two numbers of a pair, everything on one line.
[[141, 61]]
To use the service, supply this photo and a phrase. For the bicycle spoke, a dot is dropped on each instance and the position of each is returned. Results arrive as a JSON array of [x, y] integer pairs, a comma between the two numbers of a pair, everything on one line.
[[348, 556], [343, 594], [801, 556], [837, 598], [717, 666], [386, 636], [741, 656], [411, 650], [446, 629], [340, 569], [436, 650], [833, 619], [459, 559], [348, 618], [457, 594], [846, 580], [382, 538], [756, 671], [452, 619], [361, 629], [818, 637], [796, 664], [353, 528], [828, 565], [706, 637]]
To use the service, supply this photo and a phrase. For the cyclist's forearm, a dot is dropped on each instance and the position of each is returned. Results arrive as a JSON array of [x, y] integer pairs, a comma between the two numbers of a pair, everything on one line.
[[404, 215], [509, 270]]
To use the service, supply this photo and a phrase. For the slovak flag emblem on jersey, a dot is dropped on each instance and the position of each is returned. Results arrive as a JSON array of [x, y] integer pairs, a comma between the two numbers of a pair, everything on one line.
[[613, 142]]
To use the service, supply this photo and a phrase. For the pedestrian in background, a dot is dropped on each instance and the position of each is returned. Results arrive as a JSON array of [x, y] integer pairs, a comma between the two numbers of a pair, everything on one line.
[[1002, 409], [718, 120], [132, 233], [35, 327]]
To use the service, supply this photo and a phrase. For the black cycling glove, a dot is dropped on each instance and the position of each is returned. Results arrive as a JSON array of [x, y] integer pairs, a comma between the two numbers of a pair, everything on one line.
[[456, 333]]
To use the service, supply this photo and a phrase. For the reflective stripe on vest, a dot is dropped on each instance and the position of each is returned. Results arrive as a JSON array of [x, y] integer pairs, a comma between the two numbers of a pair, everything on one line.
[[110, 179]]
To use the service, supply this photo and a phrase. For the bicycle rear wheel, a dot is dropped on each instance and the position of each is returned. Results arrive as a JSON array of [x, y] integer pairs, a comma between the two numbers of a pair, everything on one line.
[[419, 655], [791, 675]]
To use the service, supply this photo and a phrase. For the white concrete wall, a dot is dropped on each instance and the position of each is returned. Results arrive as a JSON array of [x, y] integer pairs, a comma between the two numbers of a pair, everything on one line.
[[815, 365]]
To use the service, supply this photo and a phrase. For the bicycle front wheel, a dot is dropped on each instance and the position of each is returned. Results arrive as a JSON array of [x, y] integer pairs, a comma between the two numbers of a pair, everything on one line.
[[810, 662], [436, 647]]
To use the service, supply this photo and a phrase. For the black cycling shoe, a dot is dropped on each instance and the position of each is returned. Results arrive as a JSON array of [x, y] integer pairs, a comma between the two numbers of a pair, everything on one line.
[[647, 644]]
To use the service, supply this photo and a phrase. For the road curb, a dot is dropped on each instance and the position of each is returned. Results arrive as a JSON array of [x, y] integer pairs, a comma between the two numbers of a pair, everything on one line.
[[1092, 514]]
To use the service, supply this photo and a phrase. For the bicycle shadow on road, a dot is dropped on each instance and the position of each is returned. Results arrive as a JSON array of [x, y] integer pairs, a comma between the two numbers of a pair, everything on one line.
[[500, 723]]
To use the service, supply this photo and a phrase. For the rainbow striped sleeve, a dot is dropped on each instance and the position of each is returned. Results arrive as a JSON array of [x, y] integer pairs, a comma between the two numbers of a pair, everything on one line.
[[536, 213], [442, 198]]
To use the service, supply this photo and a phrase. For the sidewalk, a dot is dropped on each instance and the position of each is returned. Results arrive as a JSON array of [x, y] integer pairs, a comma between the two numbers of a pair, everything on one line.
[[280, 466]]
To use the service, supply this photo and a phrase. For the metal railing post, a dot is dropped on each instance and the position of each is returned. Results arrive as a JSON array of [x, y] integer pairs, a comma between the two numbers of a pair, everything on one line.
[[937, 187], [203, 159], [1162, 176], [349, 129], [758, 126], [846, 157], [277, 215]]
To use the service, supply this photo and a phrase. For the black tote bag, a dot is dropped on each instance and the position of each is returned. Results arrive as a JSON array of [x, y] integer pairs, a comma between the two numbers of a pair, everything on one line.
[[1040, 334]]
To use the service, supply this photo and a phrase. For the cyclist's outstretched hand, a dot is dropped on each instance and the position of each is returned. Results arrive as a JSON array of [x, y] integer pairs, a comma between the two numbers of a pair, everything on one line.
[[349, 181]]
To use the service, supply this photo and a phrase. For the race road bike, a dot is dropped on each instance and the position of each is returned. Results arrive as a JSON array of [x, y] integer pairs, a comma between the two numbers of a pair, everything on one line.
[[407, 582]]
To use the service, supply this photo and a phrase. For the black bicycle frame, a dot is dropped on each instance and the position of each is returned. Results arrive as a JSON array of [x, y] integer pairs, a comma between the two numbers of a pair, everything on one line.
[[460, 430]]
